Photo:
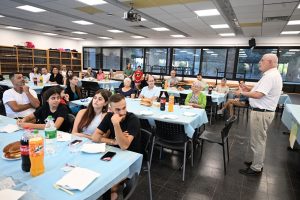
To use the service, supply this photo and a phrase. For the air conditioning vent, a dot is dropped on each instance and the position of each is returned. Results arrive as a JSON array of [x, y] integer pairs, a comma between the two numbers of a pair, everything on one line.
[[276, 19]]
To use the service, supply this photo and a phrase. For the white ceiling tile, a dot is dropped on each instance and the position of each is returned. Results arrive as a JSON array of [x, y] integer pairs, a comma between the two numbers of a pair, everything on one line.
[[236, 3]]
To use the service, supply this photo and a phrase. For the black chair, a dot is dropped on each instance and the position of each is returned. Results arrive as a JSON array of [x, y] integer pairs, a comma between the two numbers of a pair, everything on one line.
[[211, 108], [220, 139], [2, 106], [90, 88], [245, 107], [182, 98], [71, 119], [172, 136], [130, 186]]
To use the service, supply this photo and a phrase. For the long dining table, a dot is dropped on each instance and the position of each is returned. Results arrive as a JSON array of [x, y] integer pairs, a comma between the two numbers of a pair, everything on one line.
[[291, 117], [123, 165]]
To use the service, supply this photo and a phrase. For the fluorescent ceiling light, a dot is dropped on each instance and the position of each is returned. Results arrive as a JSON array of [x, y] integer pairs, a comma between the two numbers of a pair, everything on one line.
[[79, 32], [105, 38], [1, 16], [160, 29], [143, 19], [77, 38], [299, 6], [209, 12], [294, 49], [177, 36], [226, 34], [214, 54], [51, 34], [294, 22], [290, 32], [92, 2], [137, 36], [82, 22], [209, 52], [31, 8], [205, 49], [115, 31], [13, 27], [182, 51], [217, 26], [244, 56]]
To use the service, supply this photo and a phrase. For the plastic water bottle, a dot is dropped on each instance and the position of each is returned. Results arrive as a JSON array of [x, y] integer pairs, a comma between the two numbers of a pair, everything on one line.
[[112, 90], [50, 135]]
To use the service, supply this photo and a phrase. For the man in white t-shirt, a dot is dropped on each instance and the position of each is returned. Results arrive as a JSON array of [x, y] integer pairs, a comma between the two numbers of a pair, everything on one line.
[[45, 75], [151, 91], [20, 100], [263, 99]]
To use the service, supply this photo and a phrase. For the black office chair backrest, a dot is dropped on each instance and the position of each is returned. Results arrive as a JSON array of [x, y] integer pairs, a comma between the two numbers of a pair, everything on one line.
[[228, 124], [90, 85], [145, 125], [182, 98], [146, 142], [71, 119], [2, 107], [169, 132], [208, 101]]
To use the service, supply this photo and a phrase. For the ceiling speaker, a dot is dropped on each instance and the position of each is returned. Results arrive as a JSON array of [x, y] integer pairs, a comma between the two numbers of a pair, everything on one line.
[[252, 42]]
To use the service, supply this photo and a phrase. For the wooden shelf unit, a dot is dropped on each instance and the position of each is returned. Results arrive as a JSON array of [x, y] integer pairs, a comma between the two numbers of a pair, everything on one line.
[[21, 59]]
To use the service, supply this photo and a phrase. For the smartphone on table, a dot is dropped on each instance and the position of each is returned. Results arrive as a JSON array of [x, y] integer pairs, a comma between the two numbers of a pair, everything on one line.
[[75, 142], [108, 156]]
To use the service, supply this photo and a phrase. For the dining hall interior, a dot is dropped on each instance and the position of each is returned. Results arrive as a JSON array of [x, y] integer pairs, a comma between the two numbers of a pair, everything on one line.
[[150, 99]]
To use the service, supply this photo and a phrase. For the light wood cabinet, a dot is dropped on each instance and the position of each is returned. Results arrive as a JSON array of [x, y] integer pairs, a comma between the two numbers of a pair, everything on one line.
[[21, 59]]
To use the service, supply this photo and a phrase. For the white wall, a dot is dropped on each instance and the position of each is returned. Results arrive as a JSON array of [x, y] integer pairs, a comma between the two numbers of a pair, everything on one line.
[[235, 41], [10, 38]]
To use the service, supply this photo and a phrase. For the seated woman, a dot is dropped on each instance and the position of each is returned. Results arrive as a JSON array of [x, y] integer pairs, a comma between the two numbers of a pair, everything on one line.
[[56, 77], [34, 74], [52, 107], [127, 90], [238, 101], [89, 73], [69, 74], [72, 88], [222, 88], [197, 99], [100, 75], [87, 120]]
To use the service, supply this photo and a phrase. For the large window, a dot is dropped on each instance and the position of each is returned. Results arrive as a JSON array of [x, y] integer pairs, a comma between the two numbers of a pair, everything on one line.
[[248, 60], [213, 59], [91, 57], [111, 58], [289, 64], [186, 61], [156, 60], [135, 56]]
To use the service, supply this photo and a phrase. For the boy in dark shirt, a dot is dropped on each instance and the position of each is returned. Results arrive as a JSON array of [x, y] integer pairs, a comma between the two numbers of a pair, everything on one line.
[[120, 127]]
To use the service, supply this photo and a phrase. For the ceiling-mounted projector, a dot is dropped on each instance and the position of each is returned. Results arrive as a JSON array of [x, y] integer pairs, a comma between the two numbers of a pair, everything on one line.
[[132, 16]]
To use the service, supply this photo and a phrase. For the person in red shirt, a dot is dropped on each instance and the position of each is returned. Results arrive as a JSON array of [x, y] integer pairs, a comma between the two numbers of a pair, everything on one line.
[[137, 76]]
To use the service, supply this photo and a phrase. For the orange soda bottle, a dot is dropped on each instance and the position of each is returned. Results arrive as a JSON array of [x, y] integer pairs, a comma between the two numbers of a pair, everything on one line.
[[171, 103], [36, 154], [166, 85]]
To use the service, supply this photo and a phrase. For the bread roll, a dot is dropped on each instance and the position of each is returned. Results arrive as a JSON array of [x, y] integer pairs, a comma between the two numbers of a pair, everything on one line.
[[146, 102], [12, 150]]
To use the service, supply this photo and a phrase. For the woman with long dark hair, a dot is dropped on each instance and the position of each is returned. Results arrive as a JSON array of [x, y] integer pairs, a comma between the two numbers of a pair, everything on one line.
[[87, 120], [72, 88]]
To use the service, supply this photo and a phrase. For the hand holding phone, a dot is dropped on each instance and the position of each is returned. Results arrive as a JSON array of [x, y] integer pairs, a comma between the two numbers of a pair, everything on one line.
[[108, 156]]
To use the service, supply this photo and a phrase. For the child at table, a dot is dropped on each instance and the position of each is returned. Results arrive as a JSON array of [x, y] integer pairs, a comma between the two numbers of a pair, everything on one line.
[[87, 120], [53, 107]]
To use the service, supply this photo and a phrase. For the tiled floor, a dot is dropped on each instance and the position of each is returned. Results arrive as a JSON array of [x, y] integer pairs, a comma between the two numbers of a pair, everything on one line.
[[280, 178]]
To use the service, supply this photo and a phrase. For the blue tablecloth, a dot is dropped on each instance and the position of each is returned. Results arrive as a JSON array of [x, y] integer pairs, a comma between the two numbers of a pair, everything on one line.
[[290, 115], [284, 99], [123, 165], [190, 123], [105, 84]]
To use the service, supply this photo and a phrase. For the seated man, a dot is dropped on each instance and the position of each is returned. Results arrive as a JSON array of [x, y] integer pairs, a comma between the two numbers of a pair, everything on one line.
[[151, 91], [119, 128], [239, 101], [19, 101], [204, 85], [222, 88], [173, 81]]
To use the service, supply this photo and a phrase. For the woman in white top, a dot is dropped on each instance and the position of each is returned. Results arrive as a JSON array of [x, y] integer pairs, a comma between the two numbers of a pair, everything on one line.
[[34, 74], [87, 120]]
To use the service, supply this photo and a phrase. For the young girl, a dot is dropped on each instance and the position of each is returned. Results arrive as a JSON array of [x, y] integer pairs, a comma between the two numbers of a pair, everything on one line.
[[87, 120], [52, 107], [34, 74]]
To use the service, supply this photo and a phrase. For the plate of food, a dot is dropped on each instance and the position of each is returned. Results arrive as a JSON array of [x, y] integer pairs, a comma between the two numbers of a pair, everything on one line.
[[12, 151], [169, 116], [146, 102], [93, 147]]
